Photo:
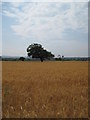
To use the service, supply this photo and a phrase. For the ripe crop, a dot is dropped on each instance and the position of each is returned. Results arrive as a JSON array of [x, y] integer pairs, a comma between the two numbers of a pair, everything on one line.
[[45, 90]]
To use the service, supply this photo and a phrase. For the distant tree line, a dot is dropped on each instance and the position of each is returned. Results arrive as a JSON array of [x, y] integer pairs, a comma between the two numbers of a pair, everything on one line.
[[54, 59], [36, 59]]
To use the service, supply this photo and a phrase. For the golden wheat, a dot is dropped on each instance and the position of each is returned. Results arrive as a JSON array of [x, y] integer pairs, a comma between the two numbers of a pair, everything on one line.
[[45, 90]]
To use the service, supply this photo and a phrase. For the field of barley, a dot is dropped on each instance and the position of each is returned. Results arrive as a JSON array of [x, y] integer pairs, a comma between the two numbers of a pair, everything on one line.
[[45, 90]]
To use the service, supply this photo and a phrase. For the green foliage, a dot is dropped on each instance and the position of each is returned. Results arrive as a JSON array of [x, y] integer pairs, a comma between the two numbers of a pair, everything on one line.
[[58, 59], [22, 58], [37, 51]]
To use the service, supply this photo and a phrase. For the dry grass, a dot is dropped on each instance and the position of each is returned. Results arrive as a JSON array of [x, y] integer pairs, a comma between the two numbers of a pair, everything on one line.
[[48, 89]]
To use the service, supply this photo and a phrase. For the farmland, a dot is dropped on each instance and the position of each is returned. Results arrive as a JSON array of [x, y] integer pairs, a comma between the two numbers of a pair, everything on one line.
[[44, 90]]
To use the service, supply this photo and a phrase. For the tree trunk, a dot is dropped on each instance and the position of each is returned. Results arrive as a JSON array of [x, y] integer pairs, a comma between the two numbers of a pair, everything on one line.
[[41, 59]]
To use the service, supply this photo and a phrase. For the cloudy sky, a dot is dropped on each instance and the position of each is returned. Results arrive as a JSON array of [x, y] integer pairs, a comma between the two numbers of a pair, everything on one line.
[[61, 27]]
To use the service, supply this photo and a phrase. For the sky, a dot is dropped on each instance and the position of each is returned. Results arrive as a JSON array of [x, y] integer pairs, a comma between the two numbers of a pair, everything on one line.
[[60, 27]]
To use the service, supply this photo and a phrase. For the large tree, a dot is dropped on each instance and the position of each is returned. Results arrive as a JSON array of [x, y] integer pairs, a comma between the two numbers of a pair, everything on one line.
[[37, 51]]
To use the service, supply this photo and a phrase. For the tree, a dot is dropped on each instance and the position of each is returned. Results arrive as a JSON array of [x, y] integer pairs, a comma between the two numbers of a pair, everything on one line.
[[22, 58], [37, 51]]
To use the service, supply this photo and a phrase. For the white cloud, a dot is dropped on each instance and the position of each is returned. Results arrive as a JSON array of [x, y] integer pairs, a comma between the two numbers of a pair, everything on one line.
[[45, 0], [9, 14], [47, 20], [12, 1]]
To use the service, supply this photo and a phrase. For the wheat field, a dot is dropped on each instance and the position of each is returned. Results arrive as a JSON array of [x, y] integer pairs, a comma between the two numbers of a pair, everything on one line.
[[44, 90]]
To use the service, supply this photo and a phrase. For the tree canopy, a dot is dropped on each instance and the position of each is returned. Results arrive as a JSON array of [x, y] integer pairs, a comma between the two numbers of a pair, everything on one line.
[[37, 51]]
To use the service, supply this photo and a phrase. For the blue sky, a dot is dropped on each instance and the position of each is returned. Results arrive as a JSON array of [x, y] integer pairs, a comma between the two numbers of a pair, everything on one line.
[[61, 28]]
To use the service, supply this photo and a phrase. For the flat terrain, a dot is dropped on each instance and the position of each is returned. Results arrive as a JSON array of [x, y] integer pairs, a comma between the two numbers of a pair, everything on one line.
[[48, 89]]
